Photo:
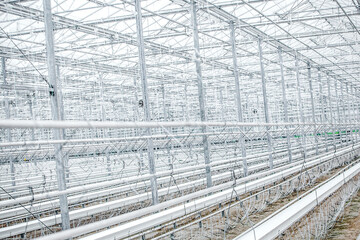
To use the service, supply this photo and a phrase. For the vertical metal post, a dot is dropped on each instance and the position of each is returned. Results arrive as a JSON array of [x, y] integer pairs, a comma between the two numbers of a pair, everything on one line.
[[349, 127], [301, 108], [331, 110], [186, 102], [7, 114], [103, 118], [200, 91], [343, 107], [103, 113], [266, 107], [31, 116], [60, 168], [60, 98], [164, 102], [313, 108], [353, 120], [285, 104], [168, 147], [351, 104], [338, 111], [156, 107], [222, 104], [3, 70], [337, 102], [60, 95], [348, 102], [357, 112], [357, 105], [238, 98], [60, 101], [7, 104], [136, 112], [144, 83], [323, 117]]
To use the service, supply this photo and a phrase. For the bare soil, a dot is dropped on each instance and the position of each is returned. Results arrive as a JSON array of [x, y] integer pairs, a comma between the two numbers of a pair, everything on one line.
[[348, 226]]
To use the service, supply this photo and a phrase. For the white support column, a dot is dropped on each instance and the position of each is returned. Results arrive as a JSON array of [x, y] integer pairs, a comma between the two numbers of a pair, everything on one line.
[[8, 115], [168, 147], [103, 118], [285, 103], [164, 102], [136, 107], [59, 94], [31, 115], [7, 104], [266, 107], [357, 104], [301, 107], [200, 91], [60, 168], [349, 129], [323, 115], [353, 102], [237, 96], [337, 103], [144, 83], [338, 129], [313, 108], [331, 110], [187, 117], [222, 104], [61, 113], [343, 107]]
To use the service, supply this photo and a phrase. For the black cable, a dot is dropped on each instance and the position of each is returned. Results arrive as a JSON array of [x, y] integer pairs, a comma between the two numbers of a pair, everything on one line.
[[42, 76], [28, 210]]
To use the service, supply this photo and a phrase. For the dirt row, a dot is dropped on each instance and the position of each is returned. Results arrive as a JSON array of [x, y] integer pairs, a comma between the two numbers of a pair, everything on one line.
[[348, 226]]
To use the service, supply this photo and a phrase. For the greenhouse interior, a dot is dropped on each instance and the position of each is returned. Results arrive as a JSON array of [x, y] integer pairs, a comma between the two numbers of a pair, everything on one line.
[[180, 119]]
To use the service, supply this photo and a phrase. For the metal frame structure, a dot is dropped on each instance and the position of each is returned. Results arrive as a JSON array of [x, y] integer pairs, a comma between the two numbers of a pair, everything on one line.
[[115, 108], [294, 211]]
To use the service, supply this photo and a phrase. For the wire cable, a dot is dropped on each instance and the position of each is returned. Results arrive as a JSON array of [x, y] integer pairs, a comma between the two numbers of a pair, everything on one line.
[[26, 57], [28, 210]]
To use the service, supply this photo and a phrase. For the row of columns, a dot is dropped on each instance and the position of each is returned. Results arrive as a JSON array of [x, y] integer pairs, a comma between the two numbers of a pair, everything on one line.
[[55, 92], [265, 100], [201, 97]]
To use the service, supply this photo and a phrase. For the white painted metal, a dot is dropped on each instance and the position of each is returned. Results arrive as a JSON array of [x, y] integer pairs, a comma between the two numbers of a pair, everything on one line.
[[136, 226], [275, 224]]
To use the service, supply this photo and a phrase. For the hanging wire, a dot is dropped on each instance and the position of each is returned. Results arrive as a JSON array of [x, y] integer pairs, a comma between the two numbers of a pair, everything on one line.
[[37, 218], [26, 57]]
